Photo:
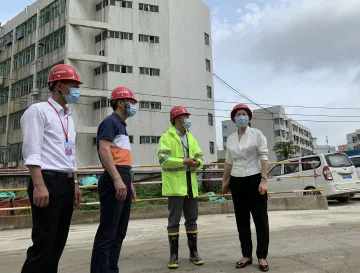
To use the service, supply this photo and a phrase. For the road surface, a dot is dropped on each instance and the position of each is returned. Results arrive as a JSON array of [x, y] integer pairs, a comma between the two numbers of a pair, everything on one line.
[[301, 241]]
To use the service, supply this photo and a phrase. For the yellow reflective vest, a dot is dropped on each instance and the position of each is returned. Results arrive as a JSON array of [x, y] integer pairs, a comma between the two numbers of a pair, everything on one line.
[[171, 158]]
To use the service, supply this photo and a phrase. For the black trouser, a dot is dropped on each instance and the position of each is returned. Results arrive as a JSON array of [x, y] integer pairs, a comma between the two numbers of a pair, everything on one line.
[[247, 198], [50, 224], [114, 219]]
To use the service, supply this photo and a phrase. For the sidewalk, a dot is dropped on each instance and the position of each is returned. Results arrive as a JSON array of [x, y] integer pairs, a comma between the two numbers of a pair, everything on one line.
[[301, 241]]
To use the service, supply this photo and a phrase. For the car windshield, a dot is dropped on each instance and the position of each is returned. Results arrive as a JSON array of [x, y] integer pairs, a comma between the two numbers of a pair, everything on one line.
[[356, 161], [338, 160]]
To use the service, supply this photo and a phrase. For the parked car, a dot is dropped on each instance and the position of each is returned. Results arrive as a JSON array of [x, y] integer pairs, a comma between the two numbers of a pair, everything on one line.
[[356, 160], [338, 176]]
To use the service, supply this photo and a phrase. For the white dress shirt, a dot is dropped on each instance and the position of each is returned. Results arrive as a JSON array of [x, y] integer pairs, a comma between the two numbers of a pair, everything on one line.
[[44, 138], [245, 155]]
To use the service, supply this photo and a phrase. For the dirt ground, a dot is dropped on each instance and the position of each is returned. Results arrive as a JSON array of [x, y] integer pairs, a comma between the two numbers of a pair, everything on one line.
[[301, 241]]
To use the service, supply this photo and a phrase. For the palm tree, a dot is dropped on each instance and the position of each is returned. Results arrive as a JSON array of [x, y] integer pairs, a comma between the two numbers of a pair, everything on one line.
[[284, 150]]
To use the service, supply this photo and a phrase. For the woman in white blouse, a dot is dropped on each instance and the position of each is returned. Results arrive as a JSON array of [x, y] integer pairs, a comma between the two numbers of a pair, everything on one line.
[[245, 172]]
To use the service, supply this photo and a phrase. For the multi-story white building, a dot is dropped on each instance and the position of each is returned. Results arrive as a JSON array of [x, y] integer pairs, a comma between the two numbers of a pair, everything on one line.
[[276, 127], [353, 140], [158, 48]]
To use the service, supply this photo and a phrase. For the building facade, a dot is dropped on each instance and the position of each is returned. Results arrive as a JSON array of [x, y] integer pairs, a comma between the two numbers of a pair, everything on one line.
[[276, 127], [158, 48], [353, 140], [322, 149]]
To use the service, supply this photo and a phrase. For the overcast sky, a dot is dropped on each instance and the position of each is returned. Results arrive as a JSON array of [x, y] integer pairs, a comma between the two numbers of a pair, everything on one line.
[[285, 52]]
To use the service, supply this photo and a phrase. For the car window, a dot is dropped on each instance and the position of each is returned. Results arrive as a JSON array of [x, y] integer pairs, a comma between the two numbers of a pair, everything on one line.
[[306, 167], [276, 171], [356, 161], [293, 168], [338, 160]]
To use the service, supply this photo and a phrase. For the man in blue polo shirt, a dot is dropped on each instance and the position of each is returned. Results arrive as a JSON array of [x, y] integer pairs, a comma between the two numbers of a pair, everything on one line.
[[115, 189]]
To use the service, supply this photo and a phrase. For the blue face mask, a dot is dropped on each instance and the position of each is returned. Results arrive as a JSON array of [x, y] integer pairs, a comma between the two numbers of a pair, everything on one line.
[[132, 110], [187, 124], [73, 96], [241, 121]]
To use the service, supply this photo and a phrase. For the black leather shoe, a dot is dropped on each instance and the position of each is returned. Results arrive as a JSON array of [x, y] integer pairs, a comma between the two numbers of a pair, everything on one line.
[[264, 268], [242, 265]]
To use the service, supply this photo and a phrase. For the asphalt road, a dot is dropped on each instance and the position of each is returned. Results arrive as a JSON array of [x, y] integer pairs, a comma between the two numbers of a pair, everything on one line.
[[301, 241]]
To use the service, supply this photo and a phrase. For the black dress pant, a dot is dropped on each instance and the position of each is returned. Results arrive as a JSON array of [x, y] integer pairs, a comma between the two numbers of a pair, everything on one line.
[[114, 219], [50, 224], [247, 199]]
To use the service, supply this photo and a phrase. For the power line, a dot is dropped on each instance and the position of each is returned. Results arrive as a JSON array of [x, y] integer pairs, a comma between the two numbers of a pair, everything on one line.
[[260, 105]]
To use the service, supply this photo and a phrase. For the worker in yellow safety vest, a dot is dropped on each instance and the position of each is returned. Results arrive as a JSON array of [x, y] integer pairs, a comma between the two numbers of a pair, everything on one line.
[[180, 156]]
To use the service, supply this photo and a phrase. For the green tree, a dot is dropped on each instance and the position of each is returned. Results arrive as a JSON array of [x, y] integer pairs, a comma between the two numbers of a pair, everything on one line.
[[285, 149]]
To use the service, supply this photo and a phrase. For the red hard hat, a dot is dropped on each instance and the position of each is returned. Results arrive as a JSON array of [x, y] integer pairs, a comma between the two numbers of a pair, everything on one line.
[[122, 93], [238, 107], [63, 72], [177, 111]]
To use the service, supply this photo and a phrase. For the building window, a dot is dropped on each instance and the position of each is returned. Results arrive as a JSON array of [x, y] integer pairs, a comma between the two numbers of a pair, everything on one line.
[[5, 67], [6, 41], [225, 139], [52, 11], [153, 105], [22, 88], [120, 68], [210, 119], [126, 4], [149, 139], [43, 75], [208, 65], [207, 39], [4, 93], [224, 128], [15, 120], [104, 102], [277, 133], [131, 139], [149, 38], [147, 7], [52, 42], [212, 147], [15, 152], [113, 34], [24, 57], [149, 71], [209, 92], [26, 28], [102, 53], [2, 124]]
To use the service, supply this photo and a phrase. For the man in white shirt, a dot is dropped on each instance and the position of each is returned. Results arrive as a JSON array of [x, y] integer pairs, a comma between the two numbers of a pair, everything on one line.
[[49, 153]]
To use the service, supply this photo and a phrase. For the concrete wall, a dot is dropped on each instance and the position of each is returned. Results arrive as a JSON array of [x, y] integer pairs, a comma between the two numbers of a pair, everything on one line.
[[290, 203]]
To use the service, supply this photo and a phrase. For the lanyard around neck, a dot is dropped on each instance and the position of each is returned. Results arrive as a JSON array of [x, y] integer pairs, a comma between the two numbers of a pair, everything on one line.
[[66, 132]]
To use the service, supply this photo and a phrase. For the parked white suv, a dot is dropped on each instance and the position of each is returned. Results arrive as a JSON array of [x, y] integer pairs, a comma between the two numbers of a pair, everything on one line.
[[337, 176]]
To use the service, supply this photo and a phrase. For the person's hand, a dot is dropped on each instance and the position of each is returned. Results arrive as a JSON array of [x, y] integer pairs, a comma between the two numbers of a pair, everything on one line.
[[77, 195], [40, 195], [225, 186], [263, 187], [133, 193], [120, 189], [191, 162]]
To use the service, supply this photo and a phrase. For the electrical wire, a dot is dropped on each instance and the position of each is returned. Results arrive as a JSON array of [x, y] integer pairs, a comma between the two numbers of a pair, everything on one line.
[[260, 105]]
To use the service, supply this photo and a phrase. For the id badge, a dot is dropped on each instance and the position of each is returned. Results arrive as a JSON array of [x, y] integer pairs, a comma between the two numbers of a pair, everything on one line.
[[68, 148]]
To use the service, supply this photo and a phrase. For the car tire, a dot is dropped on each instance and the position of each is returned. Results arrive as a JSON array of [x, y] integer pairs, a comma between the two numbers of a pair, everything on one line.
[[343, 199]]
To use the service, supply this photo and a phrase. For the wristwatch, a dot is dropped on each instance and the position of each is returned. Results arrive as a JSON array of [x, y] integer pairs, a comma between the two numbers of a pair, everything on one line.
[[263, 178], [76, 181]]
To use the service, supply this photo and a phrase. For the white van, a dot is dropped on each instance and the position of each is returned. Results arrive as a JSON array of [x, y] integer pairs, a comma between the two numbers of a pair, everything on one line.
[[337, 176]]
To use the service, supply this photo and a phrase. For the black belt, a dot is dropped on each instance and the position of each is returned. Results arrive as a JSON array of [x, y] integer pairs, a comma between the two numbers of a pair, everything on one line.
[[58, 174]]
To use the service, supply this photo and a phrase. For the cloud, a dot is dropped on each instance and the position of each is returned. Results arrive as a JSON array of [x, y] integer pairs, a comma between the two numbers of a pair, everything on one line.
[[294, 52], [297, 35]]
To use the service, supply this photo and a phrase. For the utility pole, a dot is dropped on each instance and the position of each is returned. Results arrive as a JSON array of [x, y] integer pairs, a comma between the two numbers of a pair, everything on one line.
[[327, 144]]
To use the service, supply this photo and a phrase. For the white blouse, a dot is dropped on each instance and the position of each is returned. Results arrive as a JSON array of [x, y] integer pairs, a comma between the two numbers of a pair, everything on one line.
[[245, 155]]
